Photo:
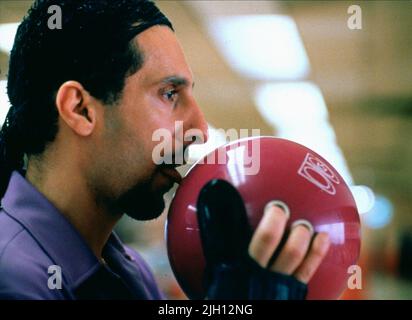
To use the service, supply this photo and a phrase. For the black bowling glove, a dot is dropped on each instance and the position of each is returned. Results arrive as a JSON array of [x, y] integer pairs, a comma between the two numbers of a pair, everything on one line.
[[225, 233]]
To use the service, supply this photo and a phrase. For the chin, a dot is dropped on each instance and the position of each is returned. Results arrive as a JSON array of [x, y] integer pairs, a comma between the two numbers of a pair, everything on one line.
[[140, 203], [145, 212], [145, 201]]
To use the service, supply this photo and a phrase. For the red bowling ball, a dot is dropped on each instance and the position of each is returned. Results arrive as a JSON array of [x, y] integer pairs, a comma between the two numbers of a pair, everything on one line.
[[264, 169]]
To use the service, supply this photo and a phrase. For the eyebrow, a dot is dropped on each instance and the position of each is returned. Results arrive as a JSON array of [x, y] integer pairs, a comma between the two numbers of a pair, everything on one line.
[[177, 81]]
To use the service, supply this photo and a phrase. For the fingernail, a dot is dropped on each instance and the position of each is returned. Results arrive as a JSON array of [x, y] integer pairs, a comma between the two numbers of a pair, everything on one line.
[[279, 204], [304, 223]]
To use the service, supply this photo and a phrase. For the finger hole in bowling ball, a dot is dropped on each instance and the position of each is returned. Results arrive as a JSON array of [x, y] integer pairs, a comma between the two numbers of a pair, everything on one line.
[[279, 204], [305, 223]]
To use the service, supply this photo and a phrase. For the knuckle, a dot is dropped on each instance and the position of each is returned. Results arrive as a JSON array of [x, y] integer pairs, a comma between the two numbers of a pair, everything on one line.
[[304, 275], [267, 237], [317, 251], [295, 253], [320, 246]]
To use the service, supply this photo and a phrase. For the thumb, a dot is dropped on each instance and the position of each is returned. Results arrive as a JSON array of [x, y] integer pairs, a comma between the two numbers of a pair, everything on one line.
[[223, 223]]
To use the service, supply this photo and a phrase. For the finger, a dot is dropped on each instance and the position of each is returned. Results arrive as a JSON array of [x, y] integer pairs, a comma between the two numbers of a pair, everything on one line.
[[317, 253], [294, 250], [268, 234]]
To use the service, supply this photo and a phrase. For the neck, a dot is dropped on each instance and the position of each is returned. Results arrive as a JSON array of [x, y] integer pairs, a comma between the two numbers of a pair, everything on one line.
[[68, 191]]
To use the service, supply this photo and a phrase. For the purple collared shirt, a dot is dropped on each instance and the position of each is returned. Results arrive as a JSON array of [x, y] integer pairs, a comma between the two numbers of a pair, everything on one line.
[[38, 244]]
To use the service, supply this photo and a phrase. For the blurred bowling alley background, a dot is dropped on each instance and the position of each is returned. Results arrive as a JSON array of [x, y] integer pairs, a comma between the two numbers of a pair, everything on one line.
[[296, 70]]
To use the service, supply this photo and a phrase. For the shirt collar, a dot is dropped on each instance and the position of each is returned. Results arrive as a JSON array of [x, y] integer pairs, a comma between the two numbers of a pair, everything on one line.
[[53, 232]]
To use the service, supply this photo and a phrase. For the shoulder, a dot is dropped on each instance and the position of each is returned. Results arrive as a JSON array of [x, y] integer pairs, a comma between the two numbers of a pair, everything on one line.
[[146, 272], [23, 264]]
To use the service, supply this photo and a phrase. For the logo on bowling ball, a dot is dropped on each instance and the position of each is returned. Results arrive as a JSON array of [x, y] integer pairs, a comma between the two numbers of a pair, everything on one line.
[[318, 173]]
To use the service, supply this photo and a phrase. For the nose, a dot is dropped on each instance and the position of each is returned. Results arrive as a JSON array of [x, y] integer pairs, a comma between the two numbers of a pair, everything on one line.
[[197, 125]]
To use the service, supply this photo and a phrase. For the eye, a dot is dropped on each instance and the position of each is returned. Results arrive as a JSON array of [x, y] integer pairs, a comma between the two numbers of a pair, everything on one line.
[[170, 95]]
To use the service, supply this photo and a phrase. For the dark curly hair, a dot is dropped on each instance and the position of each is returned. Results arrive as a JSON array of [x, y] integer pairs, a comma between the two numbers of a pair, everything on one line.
[[94, 47]]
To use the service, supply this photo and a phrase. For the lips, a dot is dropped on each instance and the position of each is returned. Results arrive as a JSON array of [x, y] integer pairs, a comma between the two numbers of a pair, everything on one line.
[[169, 170], [172, 173]]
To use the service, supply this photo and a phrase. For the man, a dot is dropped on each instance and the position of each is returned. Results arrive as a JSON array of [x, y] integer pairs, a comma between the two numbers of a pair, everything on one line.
[[86, 100]]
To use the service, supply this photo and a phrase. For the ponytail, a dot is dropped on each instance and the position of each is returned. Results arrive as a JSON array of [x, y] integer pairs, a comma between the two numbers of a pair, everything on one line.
[[11, 153]]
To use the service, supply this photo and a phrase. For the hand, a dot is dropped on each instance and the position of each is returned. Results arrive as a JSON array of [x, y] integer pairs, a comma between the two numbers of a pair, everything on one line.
[[238, 261], [300, 257]]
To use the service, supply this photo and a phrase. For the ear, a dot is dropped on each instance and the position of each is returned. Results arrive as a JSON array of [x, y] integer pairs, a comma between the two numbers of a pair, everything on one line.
[[75, 107]]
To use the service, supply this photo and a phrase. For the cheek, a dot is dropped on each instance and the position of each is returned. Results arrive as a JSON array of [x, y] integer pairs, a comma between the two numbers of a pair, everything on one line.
[[147, 126], [134, 155], [154, 140], [122, 157], [122, 167]]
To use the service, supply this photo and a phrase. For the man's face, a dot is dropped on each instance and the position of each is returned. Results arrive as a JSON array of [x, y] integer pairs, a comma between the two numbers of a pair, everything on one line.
[[123, 174]]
